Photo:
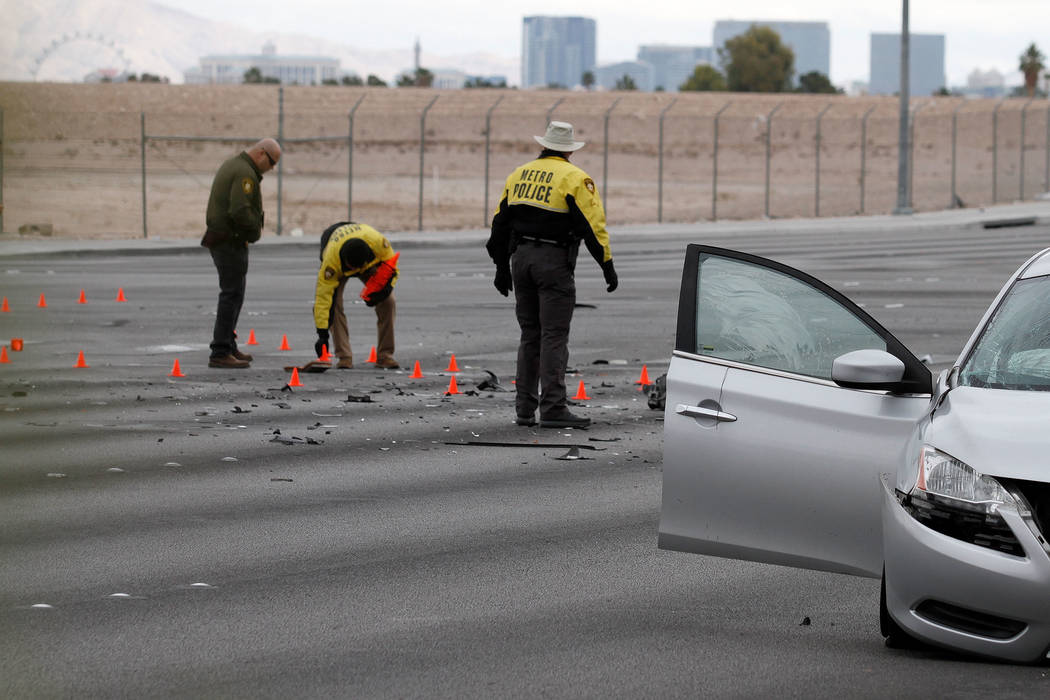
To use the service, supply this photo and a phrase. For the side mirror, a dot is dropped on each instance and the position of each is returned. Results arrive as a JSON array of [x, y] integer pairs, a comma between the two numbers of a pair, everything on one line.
[[867, 369]]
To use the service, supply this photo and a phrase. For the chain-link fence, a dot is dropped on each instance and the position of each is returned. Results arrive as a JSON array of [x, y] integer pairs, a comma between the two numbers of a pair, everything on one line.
[[137, 160]]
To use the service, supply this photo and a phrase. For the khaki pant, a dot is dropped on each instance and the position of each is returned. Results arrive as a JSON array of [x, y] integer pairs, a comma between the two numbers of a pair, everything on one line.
[[385, 310]]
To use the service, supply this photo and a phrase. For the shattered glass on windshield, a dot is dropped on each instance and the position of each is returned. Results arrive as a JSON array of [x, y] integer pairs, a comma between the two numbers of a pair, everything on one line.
[[1013, 352]]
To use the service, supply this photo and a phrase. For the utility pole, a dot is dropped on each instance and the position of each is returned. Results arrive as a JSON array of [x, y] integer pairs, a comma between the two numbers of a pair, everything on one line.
[[903, 147]]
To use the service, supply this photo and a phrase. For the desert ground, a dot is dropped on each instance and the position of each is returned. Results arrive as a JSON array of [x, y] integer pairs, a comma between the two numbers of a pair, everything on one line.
[[82, 160]]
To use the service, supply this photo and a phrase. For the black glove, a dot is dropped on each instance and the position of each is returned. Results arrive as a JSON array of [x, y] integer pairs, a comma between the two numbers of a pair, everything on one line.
[[610, 276], [503, 282], [322, 340]]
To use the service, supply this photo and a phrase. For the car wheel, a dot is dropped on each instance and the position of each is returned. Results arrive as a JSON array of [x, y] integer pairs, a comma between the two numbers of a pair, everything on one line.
[[896, 637]]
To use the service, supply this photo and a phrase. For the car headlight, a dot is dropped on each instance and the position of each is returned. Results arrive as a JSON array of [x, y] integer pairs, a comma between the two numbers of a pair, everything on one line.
[[942, 475], [954, 499]]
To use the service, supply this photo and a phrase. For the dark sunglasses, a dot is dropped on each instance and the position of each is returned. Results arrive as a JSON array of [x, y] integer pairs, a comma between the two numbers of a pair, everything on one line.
[[273, 163]]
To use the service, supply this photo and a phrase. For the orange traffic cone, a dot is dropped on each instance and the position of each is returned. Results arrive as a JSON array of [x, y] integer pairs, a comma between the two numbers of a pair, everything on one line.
[[452, 388], [120, 294], [83, 298], [581, 393], [3, 355], [294, 381], [325, 357], [417, 373], [176, 371], [452, 366], [251, 337], [284, 343], [372, 355], [80, 361], [5, 308], [43, 302], [643, 380]]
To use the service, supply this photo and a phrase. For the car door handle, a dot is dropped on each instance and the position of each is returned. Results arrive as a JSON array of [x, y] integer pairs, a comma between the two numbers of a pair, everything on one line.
[[699, 411]]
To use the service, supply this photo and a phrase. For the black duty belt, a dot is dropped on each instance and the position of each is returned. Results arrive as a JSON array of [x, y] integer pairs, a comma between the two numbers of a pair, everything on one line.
[[536, 240]]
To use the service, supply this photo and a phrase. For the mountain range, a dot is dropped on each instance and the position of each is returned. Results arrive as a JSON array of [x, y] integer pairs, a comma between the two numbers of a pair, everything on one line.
[[64, 40]]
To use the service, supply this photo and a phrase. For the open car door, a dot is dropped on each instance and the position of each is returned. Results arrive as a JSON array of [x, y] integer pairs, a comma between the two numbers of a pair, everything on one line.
[[766, 457]]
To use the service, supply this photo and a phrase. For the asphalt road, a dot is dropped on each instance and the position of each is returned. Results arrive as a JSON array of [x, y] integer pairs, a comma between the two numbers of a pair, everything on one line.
[[185, 548]]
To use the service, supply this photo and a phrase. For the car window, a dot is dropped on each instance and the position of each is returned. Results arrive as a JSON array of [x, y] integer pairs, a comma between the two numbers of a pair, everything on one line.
[[1013, 351], [759, 316]]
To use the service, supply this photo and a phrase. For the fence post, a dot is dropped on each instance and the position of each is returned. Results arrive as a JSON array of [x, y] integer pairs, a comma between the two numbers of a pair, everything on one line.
[[714, 165], [605, 156], [350, 163], [488, 142], [550, 112], [864, 152], [660, 166], [142, 153], [1046, 175], [1, 170], [769, 150], [1021, 186], [280, 140], [995, 150], [911, 155], [955, 132], [816, 202], [422, 148]]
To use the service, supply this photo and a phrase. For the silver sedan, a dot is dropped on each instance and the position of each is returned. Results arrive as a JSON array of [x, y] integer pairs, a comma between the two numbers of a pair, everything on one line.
[[799, 431]]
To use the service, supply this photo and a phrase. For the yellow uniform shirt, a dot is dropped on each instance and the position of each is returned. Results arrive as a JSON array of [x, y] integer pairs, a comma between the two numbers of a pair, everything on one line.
[[553, 199], [332, 273]]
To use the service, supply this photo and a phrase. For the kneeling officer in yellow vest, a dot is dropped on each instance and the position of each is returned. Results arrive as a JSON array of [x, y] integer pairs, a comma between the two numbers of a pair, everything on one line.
[[348, 250]]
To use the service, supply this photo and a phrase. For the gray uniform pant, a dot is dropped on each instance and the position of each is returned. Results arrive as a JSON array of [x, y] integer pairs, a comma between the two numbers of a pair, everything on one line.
[[545, 296], [386, 311]]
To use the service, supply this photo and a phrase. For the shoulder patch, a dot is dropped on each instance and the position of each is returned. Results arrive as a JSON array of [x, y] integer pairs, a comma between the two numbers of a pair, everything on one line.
[[589, 184], [246, 185], [329, 273]]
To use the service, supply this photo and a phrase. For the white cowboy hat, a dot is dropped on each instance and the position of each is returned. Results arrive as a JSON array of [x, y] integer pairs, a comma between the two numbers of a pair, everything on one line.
[[560, 136]]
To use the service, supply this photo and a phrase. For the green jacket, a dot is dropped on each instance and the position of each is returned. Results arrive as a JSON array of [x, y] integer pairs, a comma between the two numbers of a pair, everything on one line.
[[235, 203]]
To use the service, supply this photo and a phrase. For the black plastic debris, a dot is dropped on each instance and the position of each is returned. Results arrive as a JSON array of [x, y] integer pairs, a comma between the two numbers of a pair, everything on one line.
[[238, 409], [600, 362], [581, 305], [805, 622], [294, 440], [487, 443], [598, 439], [364, 398], [279, 478], [491, 383], [656, 393]]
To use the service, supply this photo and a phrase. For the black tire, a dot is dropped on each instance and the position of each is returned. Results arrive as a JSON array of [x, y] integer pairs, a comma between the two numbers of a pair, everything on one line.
[[896, 637]]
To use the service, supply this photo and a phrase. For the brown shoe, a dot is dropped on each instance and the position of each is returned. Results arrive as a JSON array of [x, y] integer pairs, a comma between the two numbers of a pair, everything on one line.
[[388, 363], [228, 362], [345, 363], [242, 356]]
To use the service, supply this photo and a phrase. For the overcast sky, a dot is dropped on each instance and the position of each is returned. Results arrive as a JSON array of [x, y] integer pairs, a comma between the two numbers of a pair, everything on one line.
[[978, 33]]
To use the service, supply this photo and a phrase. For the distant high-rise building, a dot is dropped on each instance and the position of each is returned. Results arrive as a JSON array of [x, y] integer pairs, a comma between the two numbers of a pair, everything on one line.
[[925, 69], [990, 83], [810, 41], [557, 50], [673, 65], [639, 72]]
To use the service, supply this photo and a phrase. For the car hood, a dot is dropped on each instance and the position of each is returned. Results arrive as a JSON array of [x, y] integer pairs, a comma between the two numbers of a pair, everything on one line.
[[995, 431]]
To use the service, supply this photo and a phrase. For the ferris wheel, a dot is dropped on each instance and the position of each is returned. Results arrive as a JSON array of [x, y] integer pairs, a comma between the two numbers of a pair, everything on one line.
[[57, 46]]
